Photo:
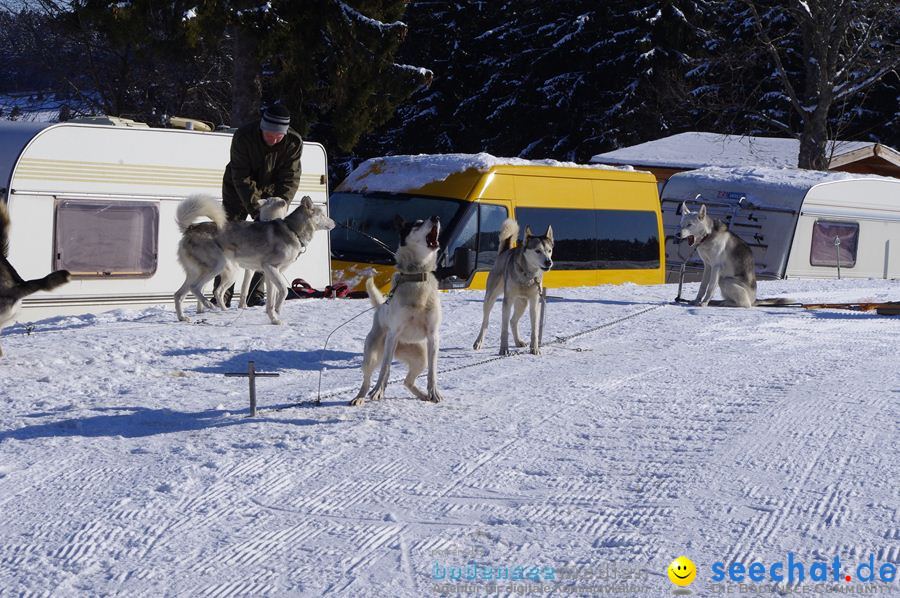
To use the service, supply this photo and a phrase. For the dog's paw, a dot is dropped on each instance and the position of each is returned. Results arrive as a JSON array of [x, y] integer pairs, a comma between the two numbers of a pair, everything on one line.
[[275, 321], [377, 394], [435, 396], [504, 352], [183, 319], [520, 343], [477, 345], [358, 401], [703, 304], [535, 351]]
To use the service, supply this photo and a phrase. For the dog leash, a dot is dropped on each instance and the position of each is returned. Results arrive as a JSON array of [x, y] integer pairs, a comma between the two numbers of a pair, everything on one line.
[[378, 241]]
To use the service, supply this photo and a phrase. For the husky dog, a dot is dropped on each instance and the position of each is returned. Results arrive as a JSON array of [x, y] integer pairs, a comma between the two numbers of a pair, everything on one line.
[[406, 325], [12, 288], [727, 262], [517, 274], [271, 208], [209, 248]]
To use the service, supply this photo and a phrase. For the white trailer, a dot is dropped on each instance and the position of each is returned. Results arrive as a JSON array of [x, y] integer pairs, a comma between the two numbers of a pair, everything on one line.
[[100, 202], [799, 223]]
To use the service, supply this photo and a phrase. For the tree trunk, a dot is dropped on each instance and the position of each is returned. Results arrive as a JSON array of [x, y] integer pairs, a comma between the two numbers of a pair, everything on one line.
[[813, 140], [246, 86]]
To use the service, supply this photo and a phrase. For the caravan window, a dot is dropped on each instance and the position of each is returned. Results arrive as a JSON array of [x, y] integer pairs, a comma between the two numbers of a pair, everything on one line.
[[597, 239], [106, 238], [824, 252]]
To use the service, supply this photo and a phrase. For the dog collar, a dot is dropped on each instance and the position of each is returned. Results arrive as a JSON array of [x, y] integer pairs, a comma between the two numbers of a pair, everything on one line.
[[417, 277]]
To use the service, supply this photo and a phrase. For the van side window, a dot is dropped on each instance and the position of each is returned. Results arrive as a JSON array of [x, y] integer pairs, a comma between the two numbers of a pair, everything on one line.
[[491, 219], [106, 238], [824, 252], [597, 239]]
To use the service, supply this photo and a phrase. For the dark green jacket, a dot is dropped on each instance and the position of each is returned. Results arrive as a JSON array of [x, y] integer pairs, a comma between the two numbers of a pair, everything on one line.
[[257, 171]]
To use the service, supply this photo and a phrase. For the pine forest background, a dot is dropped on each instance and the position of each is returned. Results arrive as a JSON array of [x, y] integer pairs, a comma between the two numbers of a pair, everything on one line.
[[562, 79]]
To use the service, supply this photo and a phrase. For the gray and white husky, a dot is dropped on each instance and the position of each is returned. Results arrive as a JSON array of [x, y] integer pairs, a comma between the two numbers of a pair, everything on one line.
[[406, 324], [727, 262], [270, 208], [13, 288], [210, 248], [518, 274]]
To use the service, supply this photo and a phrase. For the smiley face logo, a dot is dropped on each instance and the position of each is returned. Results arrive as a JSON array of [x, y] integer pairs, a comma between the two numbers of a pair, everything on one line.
[[682, 571]]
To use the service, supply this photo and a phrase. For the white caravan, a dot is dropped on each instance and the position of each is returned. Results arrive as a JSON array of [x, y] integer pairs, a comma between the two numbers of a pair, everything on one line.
[[100, 202], [799, 223]]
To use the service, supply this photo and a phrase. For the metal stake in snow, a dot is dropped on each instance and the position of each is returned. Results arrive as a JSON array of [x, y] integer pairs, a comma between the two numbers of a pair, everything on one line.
[[252, 374]]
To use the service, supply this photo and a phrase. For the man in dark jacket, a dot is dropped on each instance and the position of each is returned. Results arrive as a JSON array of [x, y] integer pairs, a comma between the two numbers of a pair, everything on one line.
[[265, 162]]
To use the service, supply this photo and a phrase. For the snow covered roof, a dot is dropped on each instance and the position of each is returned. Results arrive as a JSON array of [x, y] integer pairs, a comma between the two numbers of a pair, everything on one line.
[[783, 187], [401, 174], [697, 150]]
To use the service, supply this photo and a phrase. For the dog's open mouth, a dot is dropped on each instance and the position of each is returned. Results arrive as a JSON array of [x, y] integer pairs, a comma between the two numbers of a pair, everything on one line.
[[690, 240], [432, 238]]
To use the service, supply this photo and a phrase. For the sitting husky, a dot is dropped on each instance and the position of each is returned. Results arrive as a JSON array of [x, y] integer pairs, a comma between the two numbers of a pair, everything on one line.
[[517, 274], [406, 325], [209, 248], [12, 288], [727, 262]]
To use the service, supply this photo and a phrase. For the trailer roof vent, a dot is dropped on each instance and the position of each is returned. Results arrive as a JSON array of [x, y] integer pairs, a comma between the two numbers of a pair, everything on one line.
[[189, 124], [115, 121]]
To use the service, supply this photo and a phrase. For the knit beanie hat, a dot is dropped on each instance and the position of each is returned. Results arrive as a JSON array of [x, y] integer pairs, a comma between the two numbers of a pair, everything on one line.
[[275, 119]]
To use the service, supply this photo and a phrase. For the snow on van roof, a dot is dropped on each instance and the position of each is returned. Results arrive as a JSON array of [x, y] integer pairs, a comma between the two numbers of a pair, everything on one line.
[[398, 174]]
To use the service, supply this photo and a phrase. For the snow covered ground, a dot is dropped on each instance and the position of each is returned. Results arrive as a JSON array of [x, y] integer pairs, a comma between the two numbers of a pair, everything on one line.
[[128, 465]]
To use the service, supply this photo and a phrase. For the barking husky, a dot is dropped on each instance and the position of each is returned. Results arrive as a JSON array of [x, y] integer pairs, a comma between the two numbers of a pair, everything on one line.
[[406, 325], [517, 274], [210, 248], [12, 288], [727, 262]]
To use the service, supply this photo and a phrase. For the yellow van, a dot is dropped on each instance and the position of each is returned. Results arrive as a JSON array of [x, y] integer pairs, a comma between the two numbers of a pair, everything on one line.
[[606, 222]]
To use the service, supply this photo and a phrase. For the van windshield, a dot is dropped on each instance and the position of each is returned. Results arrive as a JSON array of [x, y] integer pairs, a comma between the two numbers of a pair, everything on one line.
[[373, 214]]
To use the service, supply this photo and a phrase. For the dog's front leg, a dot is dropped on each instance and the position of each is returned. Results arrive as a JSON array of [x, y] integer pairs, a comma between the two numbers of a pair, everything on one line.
[[711, 286], [245, 288], [390, 346], [270, 276], [504, 329], [704, 284], [434, 395], [535, 323]]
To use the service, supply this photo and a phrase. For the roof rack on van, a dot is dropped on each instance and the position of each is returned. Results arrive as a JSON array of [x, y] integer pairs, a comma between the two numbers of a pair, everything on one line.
[[115, 121], [190, 124]]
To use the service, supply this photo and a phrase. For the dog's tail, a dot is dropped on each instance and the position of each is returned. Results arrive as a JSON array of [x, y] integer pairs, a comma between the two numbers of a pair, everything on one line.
[[509, 232], [775, 301], [47, 283], [196, 206], [375, 295], [4, 229]]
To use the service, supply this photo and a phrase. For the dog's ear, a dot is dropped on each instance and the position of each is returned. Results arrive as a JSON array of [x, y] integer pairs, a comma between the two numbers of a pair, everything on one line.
[[528, 232], [549, 233], [684, 208], [399, 222], [703, 211], [306, 202]]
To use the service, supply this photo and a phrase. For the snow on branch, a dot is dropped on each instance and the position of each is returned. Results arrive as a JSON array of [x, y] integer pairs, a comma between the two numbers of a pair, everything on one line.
[[353, 15]]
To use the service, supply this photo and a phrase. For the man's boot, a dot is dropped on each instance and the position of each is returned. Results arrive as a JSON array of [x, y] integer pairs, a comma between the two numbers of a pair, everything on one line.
[[257, 293]]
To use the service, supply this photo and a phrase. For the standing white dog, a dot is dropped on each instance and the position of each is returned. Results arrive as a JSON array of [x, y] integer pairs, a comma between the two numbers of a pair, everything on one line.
[[518, 273], [407, 323]]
